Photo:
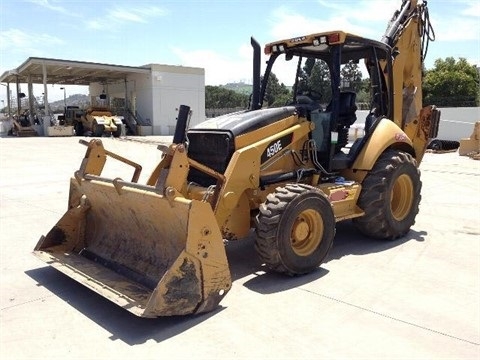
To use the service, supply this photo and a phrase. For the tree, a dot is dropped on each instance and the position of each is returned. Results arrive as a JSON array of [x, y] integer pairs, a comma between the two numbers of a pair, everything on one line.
[[276, 94], [319, 81], [452, 83], [364, 97], [304, 83], [351, 76], [313, 80], [217, 97]]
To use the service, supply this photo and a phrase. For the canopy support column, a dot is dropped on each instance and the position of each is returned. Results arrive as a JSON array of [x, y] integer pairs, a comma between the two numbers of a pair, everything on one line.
[[30, 100], [46, 118]]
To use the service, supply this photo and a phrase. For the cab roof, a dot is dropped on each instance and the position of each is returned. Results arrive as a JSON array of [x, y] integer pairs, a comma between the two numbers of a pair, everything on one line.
[[318, 44]]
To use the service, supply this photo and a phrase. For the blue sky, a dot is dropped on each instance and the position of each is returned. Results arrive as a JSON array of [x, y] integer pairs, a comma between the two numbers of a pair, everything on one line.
[[211, 34]]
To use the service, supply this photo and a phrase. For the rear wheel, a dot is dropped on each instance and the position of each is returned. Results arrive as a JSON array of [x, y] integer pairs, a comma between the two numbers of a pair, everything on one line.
[[295, 228], [390, 196]]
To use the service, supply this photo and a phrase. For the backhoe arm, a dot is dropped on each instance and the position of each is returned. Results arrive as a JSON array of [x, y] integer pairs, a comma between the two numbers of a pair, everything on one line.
[[408, 34]]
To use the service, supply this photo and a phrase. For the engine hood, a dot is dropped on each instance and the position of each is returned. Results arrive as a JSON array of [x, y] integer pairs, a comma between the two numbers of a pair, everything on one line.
[[243, 122]]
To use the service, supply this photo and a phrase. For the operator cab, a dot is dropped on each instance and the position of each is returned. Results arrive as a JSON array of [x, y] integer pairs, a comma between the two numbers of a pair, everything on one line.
[[334, 75]]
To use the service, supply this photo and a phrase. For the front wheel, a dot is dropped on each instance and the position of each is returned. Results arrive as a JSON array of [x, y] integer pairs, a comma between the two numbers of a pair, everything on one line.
[[295, 228], [78, 127], [97, 129], [118, 132], [390, 196]]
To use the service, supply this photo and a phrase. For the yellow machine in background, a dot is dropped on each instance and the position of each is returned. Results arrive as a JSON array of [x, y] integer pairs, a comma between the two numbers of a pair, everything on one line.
[[157, 248], [97, 120]]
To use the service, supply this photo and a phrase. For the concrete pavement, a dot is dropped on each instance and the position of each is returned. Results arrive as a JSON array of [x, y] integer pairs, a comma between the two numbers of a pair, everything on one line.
[[414, 298]]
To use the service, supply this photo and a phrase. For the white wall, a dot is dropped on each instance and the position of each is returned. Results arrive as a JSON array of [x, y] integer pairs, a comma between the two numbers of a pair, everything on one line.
[[158, 95], [173, 86], [140, 92], [455, 123]]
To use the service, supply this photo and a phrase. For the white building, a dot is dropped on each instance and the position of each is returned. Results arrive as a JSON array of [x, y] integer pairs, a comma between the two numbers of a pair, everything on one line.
[[150, 95]]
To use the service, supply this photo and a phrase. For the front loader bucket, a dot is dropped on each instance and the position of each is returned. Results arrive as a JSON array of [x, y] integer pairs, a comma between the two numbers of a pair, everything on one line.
[[151, 254]]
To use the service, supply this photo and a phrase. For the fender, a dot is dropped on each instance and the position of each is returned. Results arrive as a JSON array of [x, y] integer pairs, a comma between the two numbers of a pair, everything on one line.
[[386, 135], [99, 119], [118, 120]]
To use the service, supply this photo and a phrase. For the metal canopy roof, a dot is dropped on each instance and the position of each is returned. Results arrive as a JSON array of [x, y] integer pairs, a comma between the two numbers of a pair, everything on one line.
[[69, 72]]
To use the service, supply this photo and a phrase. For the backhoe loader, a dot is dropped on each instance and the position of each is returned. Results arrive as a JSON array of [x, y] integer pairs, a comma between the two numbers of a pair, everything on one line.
[[289, 172]]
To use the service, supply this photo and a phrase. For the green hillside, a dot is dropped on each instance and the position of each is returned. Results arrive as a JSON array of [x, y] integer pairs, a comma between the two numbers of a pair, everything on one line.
[[239, 87]]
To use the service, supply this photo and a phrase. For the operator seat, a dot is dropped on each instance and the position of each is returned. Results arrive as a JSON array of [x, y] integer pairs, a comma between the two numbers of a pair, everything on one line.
[[347, 109], [346, 117]]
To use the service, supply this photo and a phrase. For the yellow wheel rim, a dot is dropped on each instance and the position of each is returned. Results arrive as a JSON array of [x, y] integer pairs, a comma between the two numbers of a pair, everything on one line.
[[307, 232], [402, 197]]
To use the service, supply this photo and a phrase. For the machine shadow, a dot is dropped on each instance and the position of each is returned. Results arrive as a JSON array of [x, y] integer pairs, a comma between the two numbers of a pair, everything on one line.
[[123, 325], [348, 241], [243, 262]]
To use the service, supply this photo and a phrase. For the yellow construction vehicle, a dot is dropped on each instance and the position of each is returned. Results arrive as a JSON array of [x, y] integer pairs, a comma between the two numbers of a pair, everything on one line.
[[290, 172], [95, 121], [98, 120]]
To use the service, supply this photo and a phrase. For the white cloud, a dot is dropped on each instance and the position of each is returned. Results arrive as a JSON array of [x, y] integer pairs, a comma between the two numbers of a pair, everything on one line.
[[363, 11], [94, 24], [457, 29], [16, 40], [369, 19], [48, 5], [285, 23], [125, 15], [120, 16], [19, 44], [136, 14], [472, 8], [377, 12], [459, 25], [288, 24], [219, 69]]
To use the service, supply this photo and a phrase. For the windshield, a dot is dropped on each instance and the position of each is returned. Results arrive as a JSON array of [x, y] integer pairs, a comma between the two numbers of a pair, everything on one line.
[[311, 79]]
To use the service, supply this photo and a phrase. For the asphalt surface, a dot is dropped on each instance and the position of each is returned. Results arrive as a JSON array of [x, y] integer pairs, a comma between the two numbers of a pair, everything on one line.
[[414, 298]]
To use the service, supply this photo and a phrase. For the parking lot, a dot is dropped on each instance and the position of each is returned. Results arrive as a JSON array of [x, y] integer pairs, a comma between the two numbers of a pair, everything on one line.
[[414, 298]]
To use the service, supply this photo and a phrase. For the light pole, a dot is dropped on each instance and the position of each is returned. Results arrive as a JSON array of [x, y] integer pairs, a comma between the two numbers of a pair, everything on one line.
[[64, 97]]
